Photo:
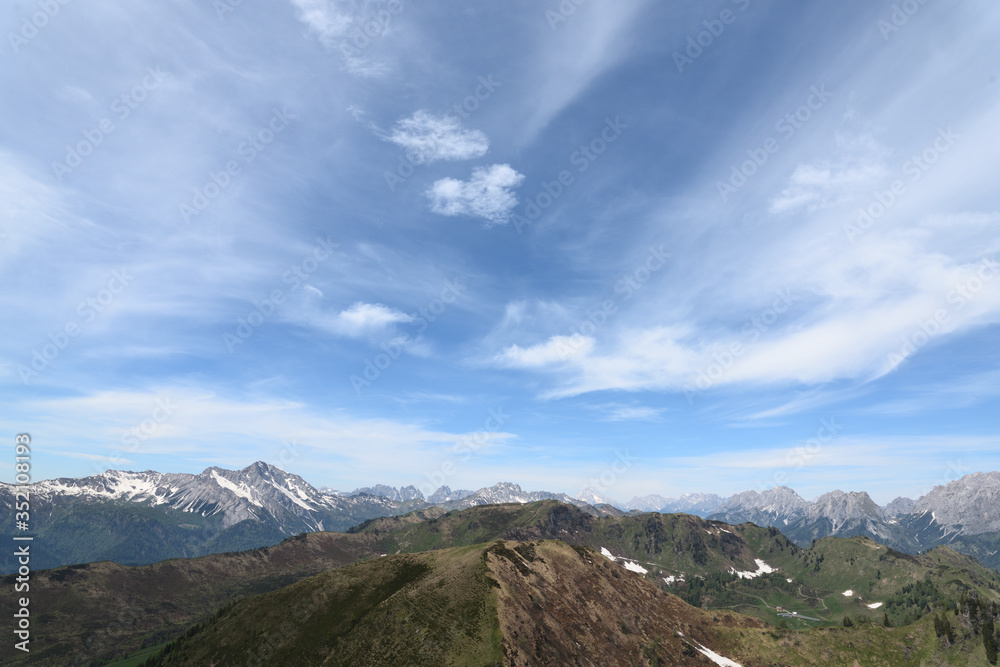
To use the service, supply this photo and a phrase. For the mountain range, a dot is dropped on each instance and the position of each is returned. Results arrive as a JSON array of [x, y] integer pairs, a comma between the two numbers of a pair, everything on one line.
[[142, 517], [964, 514], [137, 518]]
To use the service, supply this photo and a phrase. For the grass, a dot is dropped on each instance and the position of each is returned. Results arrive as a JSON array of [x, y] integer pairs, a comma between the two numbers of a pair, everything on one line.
[[439, 601], [137, 659]]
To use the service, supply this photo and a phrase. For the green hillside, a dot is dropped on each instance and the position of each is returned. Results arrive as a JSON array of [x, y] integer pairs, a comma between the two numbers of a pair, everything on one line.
[[510, 603], [694, 559], [538, 603]]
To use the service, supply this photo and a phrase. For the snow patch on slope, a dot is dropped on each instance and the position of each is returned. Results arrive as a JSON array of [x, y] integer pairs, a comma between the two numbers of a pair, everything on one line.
[[291, 496], [715, 657], [634, 567], [240, 490], [762, 568]]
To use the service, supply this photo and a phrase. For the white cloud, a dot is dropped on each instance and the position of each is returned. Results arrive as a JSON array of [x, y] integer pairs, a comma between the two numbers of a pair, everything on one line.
[[617, 412], [591, 42], [343, 25], [556, 350], [427, 138], [486, 195], [110, 460], [320, 444], [859, 167], [865, 303], [329, 19], [364, 318]]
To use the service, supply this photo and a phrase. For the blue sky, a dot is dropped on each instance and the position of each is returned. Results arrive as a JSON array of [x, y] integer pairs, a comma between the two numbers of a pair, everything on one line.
[[646, 247]]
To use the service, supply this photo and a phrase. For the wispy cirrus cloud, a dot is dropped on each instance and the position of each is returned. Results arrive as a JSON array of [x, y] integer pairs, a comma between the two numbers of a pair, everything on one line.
[[350, 27], [620, 412], [427, 138]]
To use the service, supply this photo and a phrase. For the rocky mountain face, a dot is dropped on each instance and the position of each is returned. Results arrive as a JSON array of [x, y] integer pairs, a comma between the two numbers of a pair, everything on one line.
[[970, 505], [964, 514], [392, 493], [259, 492], [402, 494], [845, 515], [592, 496], [835, 514], [445, 494], [841, 508], [899, 507], [698, 504], [650, 503], [143, 517], [778, 507], [506, 492]]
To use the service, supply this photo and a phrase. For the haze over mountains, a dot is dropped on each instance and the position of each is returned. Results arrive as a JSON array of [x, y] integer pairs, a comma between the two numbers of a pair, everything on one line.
[[183, 515]]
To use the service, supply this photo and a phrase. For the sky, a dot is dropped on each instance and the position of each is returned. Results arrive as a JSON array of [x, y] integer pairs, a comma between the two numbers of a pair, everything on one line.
[[637, 246]]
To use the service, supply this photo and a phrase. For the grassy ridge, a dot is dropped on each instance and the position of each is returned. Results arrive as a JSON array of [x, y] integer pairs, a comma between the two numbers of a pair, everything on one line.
[[434, 608]]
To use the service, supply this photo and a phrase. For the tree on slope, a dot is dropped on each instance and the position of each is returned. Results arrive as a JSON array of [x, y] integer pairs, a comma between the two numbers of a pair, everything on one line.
[[990, 641]]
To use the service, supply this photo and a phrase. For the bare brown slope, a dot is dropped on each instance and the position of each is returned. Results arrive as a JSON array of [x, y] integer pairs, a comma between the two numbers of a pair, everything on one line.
[[101, 610], [562, 605]]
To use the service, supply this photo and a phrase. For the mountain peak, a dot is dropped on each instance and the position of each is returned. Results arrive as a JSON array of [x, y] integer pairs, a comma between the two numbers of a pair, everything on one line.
[[967, 504]]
